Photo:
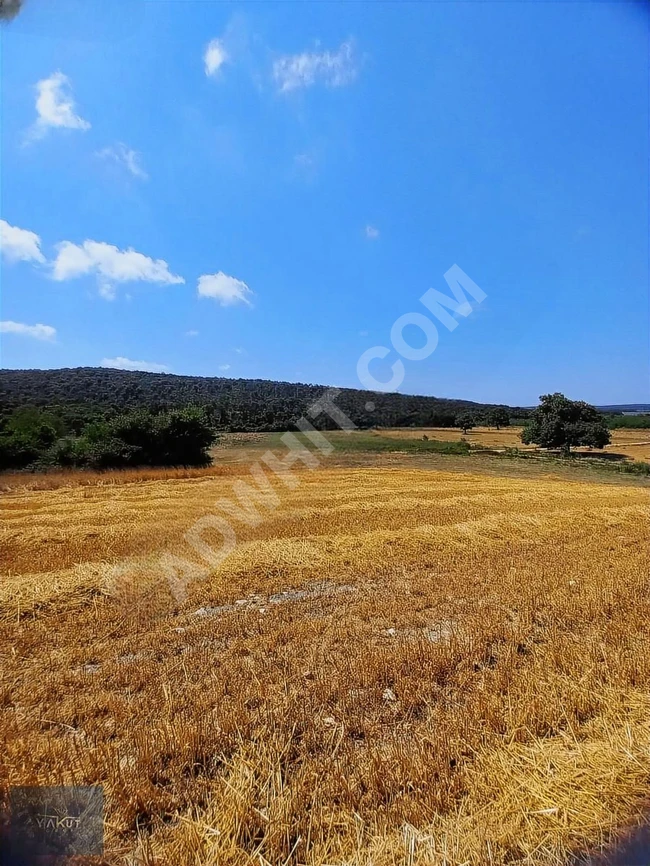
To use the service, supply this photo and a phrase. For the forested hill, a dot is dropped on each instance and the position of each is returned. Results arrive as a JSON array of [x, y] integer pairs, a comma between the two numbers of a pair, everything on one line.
[[233, 404]]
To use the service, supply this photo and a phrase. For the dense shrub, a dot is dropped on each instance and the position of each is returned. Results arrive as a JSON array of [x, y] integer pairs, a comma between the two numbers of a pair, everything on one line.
[[142, 437]]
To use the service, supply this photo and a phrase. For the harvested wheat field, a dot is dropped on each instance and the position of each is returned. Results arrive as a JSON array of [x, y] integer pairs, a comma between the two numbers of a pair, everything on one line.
[[395, 666]]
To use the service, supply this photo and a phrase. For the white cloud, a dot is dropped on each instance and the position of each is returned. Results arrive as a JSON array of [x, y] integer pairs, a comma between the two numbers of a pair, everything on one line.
[[333, 69], [224, 289], [110, 265], [224, 367], [20, 245], [191, 333], [372, 233], [120, 363], [38, 332], [215, 56], [55, 105], [239, 350], [126, 157]]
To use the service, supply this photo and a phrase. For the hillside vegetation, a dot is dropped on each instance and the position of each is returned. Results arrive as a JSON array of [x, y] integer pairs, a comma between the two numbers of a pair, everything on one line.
[[233, 404]]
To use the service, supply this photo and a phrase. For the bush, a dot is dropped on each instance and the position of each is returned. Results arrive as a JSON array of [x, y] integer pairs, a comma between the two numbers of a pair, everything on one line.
[[184, 437], [16, 452], [109, 453], [181, 437]]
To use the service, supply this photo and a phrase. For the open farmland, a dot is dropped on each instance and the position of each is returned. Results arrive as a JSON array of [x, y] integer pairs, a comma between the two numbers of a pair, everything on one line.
[[397, 665], [630, 443]]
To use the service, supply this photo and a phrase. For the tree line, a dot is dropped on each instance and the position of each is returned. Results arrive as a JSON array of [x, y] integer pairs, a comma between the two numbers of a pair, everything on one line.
[[232, 405], [140, 419], [32, 438]]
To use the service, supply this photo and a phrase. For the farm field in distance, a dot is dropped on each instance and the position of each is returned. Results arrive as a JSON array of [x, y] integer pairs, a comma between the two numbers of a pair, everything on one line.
[[626, 444], [412, 659], [631, 443]]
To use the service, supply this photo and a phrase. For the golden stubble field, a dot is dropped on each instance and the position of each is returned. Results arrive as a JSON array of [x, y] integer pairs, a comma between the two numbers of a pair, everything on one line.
[[396, 666]]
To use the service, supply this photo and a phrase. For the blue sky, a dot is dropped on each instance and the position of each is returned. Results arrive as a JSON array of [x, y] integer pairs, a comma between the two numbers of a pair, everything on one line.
[[290, 178]]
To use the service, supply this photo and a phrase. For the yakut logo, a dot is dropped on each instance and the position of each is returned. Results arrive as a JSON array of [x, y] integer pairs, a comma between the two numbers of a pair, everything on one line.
[[251, 498]]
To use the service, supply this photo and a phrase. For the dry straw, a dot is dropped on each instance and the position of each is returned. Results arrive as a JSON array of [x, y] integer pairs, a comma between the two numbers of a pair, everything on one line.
[[396, 667]]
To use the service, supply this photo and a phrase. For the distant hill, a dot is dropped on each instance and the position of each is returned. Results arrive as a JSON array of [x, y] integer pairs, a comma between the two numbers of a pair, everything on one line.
[[234, 404], [640, 408]]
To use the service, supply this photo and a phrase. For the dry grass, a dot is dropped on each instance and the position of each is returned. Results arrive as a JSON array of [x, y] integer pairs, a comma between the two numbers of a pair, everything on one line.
[[88, 478], [424, 668]]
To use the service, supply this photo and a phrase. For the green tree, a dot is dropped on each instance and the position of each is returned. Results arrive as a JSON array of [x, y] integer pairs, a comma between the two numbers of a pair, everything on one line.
[[184, 436], [465, 421], [9, 9], [561, 423], [498, 417], [26, 434]]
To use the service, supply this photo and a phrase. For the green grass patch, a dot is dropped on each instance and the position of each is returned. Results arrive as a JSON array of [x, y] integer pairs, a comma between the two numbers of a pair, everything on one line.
[[374, 443], [371, 442]]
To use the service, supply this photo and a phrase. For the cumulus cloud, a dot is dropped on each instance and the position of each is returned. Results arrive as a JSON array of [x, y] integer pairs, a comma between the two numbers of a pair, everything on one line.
[[224, 289], [120, 363], [372, 233], [55, 106], [333, 69], [38, 332], [214, 57], [20, 245], [110, 264], [126, 158]]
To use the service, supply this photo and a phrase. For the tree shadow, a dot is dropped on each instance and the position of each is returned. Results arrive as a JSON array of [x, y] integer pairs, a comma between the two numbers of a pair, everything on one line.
[[605, 456], [633, 850]]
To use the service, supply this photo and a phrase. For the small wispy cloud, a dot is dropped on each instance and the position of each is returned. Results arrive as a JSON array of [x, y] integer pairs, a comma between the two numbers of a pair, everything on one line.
[[330, 68], [372, 233], [55, 105], [121, 363], [191, 333], [224, 289], [37, 332], [306, 165], [125, 157], [239, 350], [110, 265], [20, 245], [224, 367], [303, 160], [214, 57]]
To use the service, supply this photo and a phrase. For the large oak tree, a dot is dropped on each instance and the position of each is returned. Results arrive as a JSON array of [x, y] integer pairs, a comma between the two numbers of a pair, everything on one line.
[[562, 423]]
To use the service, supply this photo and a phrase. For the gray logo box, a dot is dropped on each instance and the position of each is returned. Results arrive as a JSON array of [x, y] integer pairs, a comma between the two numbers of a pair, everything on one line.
[[49, 824]]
